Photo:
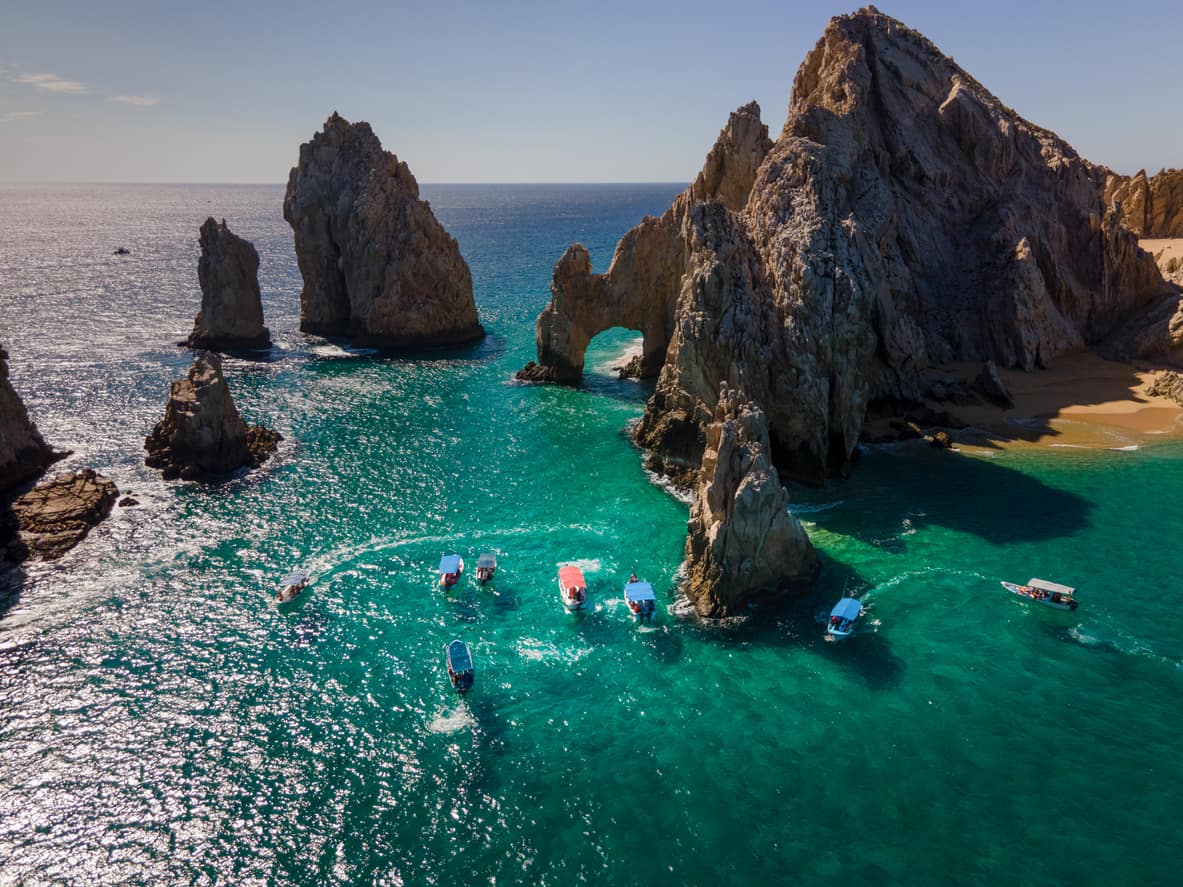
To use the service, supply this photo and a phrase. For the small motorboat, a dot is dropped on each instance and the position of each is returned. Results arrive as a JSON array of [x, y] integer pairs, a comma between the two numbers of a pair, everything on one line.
[[486, 568], [1050, 594], [460, 670], [451, 569], [572, 587], [641, 600], [844, 618], [293, 586]]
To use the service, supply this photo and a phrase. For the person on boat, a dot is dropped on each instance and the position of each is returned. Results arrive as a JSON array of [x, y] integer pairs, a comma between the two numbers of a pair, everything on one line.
[[633, 576]]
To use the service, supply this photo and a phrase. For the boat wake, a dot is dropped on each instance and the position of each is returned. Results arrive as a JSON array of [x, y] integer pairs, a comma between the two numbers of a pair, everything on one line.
[[453, 721]]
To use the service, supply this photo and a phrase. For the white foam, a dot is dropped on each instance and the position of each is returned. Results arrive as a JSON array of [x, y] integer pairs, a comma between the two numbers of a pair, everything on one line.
[[452, 721], [813, 509], [586, 565]]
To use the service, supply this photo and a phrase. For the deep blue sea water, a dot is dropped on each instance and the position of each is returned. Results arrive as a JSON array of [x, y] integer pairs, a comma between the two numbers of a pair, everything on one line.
[[161, 722]]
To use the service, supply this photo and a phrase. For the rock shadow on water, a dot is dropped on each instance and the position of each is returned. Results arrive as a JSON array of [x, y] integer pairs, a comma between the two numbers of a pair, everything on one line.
[[962, 493], [336, 348], [12, 582]]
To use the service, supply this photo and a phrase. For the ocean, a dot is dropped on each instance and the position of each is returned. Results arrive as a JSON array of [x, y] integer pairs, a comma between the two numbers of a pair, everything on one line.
[[161, 722]]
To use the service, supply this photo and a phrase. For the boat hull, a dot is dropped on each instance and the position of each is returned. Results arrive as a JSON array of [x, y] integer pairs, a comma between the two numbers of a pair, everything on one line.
[[1027, 593]]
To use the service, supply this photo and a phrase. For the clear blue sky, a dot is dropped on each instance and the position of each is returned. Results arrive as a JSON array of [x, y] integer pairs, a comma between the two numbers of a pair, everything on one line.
[[523, 91]]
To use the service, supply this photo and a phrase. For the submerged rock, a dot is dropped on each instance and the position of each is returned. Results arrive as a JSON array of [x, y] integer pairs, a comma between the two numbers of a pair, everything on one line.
[[744, 544], [377, 264], [24, 454], [57, 514], [231, 315], [202, 435], [904, 219]]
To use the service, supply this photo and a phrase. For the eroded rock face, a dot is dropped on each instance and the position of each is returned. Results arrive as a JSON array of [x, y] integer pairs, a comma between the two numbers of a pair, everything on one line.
[[1168, 384], [231, 315], [57, 514], [202, 435], [23, 452], [377, 265], [744, 545], [904, 219], [1149, 206]]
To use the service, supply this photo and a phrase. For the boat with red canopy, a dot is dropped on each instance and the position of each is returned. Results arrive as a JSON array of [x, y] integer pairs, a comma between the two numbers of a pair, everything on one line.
[[572, 587]]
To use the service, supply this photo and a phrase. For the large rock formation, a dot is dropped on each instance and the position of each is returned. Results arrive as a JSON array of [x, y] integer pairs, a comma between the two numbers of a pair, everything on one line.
[[743, 543], [904, 219], [23, 452], [377, 265], [57, 514], [231, 315], [1148, 206], [202, 436]]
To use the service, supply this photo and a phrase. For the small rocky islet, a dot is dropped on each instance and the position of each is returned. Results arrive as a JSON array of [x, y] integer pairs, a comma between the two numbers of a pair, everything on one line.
[[903, 220]]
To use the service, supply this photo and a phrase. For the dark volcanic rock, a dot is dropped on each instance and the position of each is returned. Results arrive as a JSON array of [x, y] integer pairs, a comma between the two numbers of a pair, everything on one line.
[[990, 385], [231, 315], [941, 441], [23, 452], [202, 435], [744, 544], [57, 514], [377, 264], [905, 219]]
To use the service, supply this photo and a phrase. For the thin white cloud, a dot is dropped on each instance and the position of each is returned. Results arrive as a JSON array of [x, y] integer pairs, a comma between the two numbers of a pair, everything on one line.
[[144, 100], [13, 116], [52, 83]]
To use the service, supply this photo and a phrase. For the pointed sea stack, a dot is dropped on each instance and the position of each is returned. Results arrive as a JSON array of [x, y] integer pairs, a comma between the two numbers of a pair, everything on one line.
[[904, 219], [744, 545], [23, 452], [377, 264], [231, 315], [202, 436]]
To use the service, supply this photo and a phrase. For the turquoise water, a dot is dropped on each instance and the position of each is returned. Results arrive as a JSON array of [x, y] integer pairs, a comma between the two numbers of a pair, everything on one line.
[[162, 723]]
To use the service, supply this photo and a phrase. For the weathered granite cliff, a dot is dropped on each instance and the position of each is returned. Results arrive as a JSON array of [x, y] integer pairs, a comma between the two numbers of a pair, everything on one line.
[[231, 315], [202, 435], [904, 219], [1149, 206], [23, 452], [743, 543], [377, 264]]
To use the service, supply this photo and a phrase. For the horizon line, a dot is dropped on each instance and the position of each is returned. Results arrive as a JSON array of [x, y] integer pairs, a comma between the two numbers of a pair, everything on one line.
[[10, 183]]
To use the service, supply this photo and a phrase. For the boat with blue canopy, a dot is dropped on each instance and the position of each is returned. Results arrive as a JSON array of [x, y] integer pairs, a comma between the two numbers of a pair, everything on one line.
[[572, 587], [486, 567], [845, 617], [292, 587], [641, 600], [451, 568], [460, 670]]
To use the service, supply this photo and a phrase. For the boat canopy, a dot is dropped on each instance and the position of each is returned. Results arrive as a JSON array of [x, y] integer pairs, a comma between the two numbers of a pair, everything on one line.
[[449, 563], [847, 608], [571, 576], [487, 560], [1054, 587], [299, 577], [459, 657], [639, 591]]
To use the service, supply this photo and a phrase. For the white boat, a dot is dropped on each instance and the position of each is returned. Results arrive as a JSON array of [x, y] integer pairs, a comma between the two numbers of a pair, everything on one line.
[[641, 600], [451, 569], [293, 586], [572, 587], [486, 568], [1050, 594], [844, 618]]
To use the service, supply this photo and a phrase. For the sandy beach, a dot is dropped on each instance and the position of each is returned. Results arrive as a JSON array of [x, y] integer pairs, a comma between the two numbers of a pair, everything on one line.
[[1082, 401]]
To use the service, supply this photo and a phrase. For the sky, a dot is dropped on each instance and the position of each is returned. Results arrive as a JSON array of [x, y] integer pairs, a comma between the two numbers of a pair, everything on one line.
[[494, 91]]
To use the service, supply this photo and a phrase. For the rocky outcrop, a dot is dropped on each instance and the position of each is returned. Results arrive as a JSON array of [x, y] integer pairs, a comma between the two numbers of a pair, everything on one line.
[[202, 435], [990, 385], [744, 545], [1148, 206], [904, 219], [231, 315], [1168, 384], [23, 452], [57, 514], [377, 264]]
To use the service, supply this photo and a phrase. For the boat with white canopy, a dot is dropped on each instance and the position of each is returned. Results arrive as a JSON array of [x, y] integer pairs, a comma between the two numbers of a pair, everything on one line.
[[641, 600], [486, 567], [572, 587], [293, 586], [1050, 594], [844, 618], [451, 568]]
